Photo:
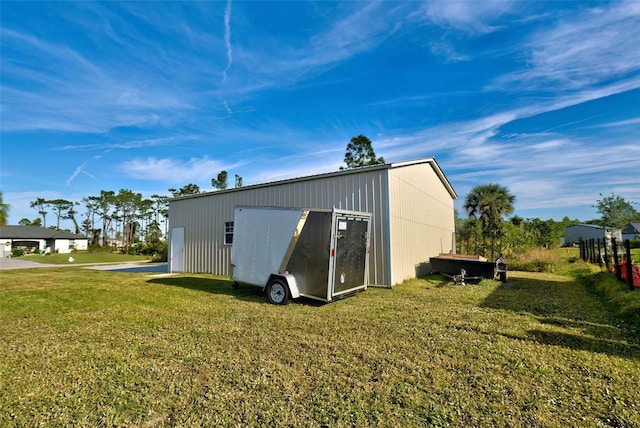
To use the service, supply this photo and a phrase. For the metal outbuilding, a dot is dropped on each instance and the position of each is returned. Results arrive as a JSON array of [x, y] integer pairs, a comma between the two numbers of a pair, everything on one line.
[[411, 203]]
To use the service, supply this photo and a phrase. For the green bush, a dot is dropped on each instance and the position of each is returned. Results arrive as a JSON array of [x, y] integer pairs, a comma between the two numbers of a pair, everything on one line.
[[17, 252], [158, 251], [162, 254]]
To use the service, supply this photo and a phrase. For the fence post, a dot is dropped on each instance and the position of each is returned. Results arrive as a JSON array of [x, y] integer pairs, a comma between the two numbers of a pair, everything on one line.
[[606, 256], [599, 254], [616, 262], [593, 250], [627, 247]]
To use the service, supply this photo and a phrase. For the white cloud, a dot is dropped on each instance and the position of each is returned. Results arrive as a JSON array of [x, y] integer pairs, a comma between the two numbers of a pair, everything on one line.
[[172, 170], [447, 52], [467, 16]]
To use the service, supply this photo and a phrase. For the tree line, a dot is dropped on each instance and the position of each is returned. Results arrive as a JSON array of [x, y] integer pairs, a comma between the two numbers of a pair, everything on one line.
[[486, 231], [128, 218]]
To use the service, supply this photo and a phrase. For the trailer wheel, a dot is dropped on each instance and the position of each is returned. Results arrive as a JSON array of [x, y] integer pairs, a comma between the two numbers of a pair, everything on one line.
[[277, 292]]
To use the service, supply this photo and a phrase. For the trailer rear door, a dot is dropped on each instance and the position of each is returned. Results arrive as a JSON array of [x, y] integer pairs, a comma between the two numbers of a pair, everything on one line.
[[351, 259]]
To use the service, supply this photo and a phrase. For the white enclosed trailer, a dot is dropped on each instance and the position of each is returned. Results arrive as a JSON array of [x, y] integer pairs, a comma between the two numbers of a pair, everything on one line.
[[293, 252]]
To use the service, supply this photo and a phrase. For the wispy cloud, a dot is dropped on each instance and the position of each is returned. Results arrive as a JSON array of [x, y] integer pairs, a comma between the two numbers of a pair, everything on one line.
[[135, 144], [447, 52], [169, 170], [364, 27], [620, 123], [81, 169], [227, 39], [226, 107], [467, 16], [593, 48]]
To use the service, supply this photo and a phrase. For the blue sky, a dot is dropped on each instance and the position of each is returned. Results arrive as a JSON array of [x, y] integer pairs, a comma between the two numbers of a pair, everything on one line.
[[541, 97]]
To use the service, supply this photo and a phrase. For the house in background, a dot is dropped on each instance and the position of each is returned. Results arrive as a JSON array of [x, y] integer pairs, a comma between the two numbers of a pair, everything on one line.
[[44, 240], [631, 231], [581, 232], [411, 203]]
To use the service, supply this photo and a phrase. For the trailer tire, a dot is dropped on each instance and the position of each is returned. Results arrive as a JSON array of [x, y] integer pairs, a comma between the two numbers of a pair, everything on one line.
[[278, 292]]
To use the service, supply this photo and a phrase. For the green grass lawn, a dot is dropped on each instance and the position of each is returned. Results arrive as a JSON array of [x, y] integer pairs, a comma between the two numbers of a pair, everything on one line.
[[94, 348], [83, 257]]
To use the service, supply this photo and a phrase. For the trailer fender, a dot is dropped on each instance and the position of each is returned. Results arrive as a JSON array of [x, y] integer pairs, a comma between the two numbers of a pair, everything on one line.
[[291, 282]]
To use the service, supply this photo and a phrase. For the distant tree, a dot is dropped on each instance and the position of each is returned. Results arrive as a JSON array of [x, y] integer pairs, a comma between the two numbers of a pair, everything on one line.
[[25, 222], [616, 211], [60, 207], [71, 215], [220, 183], [189, 189], [360, 153], [41, 205], [127, 207], [4, 211], [238, 181], [489, 203], [516, 220], [103, 204], [160, 208]]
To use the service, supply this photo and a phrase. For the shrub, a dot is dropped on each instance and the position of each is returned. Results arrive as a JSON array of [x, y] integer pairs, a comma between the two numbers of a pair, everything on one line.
[[162, 255], [536, 259], [158, 251], [17, 252]]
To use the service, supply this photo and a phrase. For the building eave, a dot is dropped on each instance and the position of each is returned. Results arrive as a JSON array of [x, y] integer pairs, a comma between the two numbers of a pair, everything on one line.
[[339, 173]]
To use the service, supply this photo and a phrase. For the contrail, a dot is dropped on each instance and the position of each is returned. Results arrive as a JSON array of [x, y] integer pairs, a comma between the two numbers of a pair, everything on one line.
[[227, 39], [226, 107]]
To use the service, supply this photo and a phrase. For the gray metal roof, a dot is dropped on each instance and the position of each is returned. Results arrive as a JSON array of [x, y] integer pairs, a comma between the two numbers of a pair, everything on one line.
[[391, 165], [35, 232], [590, 226], [631, 228]]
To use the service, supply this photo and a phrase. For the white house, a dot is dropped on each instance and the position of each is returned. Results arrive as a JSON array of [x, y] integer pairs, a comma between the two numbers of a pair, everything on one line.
[[45, 240], [411, 203]]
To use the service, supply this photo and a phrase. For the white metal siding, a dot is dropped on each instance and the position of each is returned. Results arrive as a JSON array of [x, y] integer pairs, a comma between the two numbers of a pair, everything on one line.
[[203, 216], [421, 219]]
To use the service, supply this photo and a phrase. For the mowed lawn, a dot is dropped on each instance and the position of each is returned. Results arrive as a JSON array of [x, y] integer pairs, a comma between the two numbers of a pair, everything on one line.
[[94, 348]]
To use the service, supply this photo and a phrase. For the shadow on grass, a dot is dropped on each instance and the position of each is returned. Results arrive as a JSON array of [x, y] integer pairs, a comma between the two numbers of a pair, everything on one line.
[[225, 287], [568, 306], [213, 285]]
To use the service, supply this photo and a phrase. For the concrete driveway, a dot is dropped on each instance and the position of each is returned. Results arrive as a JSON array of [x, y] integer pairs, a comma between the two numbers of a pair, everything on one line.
[[9, 263]]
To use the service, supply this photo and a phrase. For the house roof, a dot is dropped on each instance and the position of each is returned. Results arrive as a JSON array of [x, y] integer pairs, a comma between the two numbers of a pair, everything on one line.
[[591, 226], [631, 228], [35, 232], [392, 165]]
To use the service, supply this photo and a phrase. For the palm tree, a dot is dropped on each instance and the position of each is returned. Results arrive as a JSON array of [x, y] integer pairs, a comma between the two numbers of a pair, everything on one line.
[[4, 212], [489, 203]]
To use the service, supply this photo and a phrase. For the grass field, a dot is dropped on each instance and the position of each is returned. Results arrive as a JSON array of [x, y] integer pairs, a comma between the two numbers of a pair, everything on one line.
[[94, 348], [83, 257]]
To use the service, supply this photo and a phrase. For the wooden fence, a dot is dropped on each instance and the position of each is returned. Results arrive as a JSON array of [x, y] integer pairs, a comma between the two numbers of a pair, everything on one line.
[[608, 252]]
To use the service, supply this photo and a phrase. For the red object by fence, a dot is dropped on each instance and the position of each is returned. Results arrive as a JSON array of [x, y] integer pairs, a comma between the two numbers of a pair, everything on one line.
[[623, 273]]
